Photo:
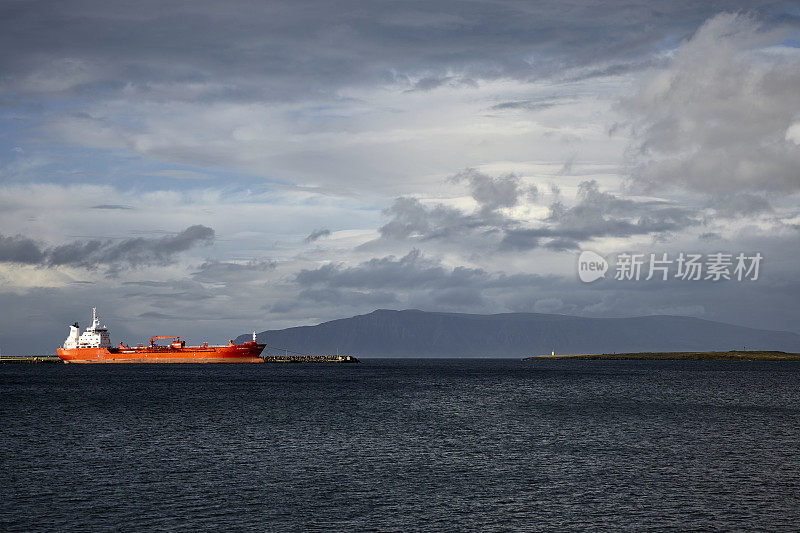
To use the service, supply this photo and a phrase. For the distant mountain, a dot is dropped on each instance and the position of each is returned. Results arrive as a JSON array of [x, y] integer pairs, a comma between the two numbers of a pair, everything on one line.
[[413, 333]]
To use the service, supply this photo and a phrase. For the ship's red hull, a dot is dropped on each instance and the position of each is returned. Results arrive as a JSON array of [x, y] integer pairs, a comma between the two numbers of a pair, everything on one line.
[[236, 353]]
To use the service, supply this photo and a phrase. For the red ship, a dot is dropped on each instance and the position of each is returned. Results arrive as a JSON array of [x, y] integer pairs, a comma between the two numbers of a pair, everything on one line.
[[94, 346]]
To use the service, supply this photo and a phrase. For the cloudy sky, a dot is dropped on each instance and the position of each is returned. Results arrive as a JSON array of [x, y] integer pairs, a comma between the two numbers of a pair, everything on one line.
[[205, 169]]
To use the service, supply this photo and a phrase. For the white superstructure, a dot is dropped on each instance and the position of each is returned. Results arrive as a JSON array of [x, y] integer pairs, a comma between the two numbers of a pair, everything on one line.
[[95, 336]]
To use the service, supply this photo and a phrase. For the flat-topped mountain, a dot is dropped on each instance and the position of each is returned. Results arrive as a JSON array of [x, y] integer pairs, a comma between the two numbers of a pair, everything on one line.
[[413, 333]]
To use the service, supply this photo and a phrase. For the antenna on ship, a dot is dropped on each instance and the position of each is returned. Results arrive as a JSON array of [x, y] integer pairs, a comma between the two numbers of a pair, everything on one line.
[[254, 335]]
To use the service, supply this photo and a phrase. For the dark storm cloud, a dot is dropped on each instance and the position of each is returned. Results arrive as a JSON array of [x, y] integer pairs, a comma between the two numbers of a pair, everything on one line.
[[413, 271], [254, 51], [595, 214], [20, 250], [491, 193], [132, 252], [94, 253], [602, 214], [318, 234], [409, 217]]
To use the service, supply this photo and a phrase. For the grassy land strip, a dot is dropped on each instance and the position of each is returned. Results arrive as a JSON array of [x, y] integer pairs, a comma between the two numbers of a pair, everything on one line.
[[735, 355]]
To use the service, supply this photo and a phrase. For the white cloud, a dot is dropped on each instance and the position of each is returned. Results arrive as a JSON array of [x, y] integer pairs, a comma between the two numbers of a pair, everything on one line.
[[793, 133], [715, 120]]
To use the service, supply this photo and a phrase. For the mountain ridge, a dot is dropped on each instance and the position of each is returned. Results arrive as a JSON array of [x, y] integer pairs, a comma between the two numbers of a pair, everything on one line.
[[416, 333]]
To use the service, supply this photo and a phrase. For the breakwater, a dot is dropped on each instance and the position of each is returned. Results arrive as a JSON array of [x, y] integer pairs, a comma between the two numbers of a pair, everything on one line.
[[30, 359], [733, 355], [296, 358]]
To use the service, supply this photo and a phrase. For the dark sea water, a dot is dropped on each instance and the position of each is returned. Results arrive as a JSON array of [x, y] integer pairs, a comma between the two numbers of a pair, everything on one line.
[[402, 445]]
